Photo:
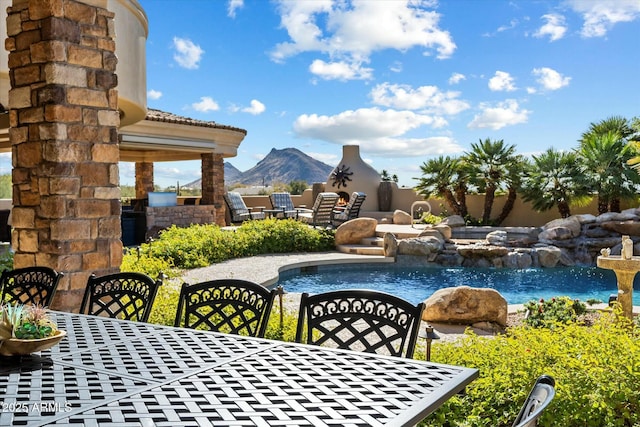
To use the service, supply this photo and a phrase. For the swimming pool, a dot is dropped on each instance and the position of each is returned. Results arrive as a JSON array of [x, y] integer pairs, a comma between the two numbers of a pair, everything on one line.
[[416, 284]]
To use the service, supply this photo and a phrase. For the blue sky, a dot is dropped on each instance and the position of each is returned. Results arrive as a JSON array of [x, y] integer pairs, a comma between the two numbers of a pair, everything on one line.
[[406, 80]]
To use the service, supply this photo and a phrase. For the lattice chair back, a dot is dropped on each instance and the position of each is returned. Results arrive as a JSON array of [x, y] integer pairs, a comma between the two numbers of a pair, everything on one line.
[[124, 295], [364, 320], [29, 285], [322, 211], [225, 305], [283, 201], [539, 398]]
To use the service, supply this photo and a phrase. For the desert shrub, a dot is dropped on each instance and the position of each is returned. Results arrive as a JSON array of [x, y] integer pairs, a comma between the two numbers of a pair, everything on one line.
[[6, 260], [596, 368], [202, 245], [550, 312]]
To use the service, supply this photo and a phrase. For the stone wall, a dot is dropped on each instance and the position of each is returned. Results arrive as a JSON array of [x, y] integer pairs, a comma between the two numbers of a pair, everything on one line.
[[64, 133], [159, 218]]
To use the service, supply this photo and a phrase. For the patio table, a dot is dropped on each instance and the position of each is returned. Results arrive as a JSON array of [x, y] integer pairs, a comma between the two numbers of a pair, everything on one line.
[[108, 372]]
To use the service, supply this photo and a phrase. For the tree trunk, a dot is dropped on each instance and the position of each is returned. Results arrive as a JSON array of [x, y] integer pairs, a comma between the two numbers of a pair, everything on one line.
[[564, 209], [461, 196], [452, 202], [603, 206], [512, 195], [488, 204], [614, 205]]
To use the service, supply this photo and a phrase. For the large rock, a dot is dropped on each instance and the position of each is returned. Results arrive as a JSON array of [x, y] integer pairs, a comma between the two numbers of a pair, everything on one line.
[[400, 217], [571, 224], [445, 230], [420, 245], [353, 231], [466, 305], [390, 245], [479, 250], [454, 221], [497, 238], [617, 216], [631, 228], [548, 256]]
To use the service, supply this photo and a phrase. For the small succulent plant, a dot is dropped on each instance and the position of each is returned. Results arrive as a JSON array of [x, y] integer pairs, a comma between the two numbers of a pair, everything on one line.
[[25, 322]]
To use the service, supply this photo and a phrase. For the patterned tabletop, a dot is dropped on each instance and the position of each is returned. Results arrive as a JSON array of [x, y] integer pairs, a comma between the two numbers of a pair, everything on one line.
[[112, 373]]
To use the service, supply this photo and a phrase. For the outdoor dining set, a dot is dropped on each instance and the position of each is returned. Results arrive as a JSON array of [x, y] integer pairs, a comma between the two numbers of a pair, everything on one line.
[[352, 363]]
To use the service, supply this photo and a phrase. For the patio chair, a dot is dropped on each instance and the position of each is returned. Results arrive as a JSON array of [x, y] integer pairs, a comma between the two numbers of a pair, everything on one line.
[[539, 398], [283, 201], [351, 211], [370, 321], [124, 295], [225, 305], [321, 213], [29, 285], [238, 210]]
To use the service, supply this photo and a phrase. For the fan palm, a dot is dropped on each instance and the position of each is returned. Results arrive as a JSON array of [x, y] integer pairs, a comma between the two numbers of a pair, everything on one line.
[[552, 181], [445, 177]]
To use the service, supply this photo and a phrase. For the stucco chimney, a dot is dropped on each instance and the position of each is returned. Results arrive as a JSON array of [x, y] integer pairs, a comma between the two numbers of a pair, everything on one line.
[[354, 174]]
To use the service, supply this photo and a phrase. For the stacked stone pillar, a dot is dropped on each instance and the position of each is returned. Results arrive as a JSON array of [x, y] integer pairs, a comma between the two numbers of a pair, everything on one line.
[[64, 120], [144, 179], [213, 184]]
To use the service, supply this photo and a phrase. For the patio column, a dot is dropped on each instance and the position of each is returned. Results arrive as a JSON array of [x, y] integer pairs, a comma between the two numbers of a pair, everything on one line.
[[64, 134], [213, 184], [144, 179]]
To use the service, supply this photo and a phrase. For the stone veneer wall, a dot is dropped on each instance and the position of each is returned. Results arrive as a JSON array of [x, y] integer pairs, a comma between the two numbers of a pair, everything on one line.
[[64, 134], [159, 218], [213, 185], [144, 179]]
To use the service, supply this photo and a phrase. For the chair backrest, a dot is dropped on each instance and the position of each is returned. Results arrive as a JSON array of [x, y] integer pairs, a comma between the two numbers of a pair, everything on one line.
[[237, 208], [370, 321], [29, 285], [125, 295], [355, 203], [323, 208], [539, 398], [232, 306], [281, 200]]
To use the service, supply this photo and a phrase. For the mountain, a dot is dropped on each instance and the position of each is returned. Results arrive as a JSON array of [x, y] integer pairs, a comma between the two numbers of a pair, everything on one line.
[[284, 166], [279, 166]]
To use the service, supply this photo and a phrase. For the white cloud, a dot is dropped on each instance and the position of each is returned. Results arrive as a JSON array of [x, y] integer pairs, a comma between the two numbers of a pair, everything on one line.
[[377, 131], [456, 78], [496, 117], [429, 99], [550, 79], [187, 54], [154, 94], [328, 158], [340, 70], [350, 31], [256, 108], [555, 27], [206, 104], [233, 6], [601, 15], [396, 67], [502, 81]]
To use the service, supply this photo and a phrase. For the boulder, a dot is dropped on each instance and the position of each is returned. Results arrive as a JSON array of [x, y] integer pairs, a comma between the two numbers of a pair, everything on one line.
[[548, 256], [400, 217], [431, 232], [466, 305], [353, 231], [445, 230], [454, 221], [556, 233], [390, 245], [482, 251], [497, 238], [617, 216], [630, 228], [420, 245], [572, 224]]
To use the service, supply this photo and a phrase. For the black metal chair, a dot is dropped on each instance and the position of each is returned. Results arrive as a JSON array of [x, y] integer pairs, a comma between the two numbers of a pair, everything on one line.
[[29, 285], [124, 295], [539, 398], [370, 321], [232, 306]]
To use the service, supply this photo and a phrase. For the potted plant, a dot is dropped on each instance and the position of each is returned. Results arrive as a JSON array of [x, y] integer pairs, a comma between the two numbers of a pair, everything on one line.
[[26, 329]]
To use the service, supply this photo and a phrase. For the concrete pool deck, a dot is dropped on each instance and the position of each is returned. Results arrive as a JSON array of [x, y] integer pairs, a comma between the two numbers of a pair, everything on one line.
[[265, 269]]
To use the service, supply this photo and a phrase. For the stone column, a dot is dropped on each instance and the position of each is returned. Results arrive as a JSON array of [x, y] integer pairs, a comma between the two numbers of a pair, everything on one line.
[[64, 134], [213, 184], [144, 179]]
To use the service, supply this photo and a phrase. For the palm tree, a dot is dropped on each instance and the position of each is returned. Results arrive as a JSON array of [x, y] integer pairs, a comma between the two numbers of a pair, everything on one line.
[[489, 162], [444, 177], [605, 170], [552, 181], [515, 171]]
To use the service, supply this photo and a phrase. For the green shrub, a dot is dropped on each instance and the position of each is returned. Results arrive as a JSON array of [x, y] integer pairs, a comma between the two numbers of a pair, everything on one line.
[[596, 368], [548, 313]]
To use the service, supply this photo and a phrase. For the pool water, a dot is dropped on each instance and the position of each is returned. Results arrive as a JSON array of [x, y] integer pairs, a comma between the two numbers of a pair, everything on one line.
[[416, 284]]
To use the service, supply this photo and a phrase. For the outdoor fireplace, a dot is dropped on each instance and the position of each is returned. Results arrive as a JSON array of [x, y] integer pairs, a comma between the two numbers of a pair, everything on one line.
[[354, 174]]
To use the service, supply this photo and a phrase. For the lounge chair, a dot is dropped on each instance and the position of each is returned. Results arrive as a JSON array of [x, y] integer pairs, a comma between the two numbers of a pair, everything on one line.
[[539, 398], [283, 202], [321, 213], [351, 211], [238, 211], [362, 320]]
